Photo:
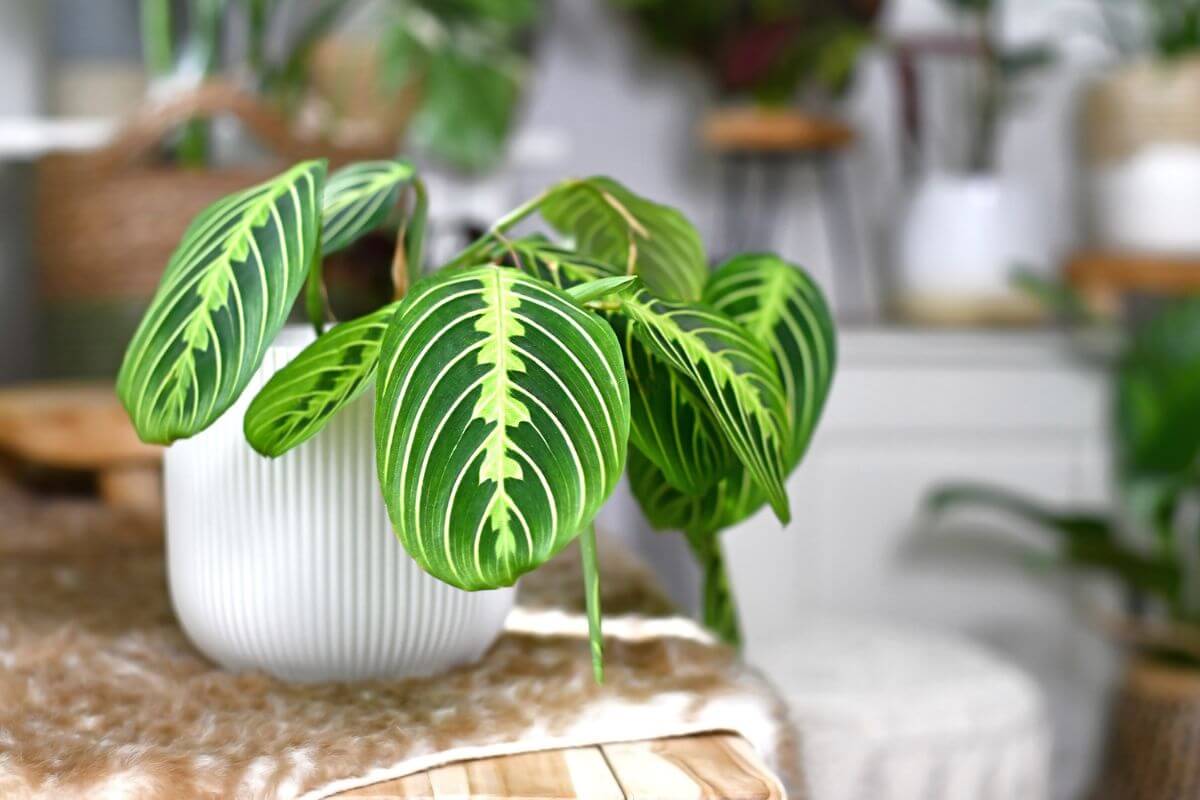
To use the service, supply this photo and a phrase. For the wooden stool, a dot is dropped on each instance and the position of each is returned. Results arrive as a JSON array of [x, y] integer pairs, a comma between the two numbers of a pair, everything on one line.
[[719, 766], [82, 426], [1104, 278], [760, 146]]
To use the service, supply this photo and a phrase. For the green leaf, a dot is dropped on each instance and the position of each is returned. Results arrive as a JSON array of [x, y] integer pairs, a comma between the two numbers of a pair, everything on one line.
[[359, 198], [538, 256], [781, 306], [298, 400], [778, 304], [591, 592], [227, 291], [1089, 540], [729, 372], [467, 108], [668, 424], [601, 288], [502, 422], [610, 223]]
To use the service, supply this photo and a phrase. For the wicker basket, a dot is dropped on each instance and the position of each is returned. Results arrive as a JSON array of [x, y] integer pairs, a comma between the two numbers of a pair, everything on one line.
[[107, 221], [1153, 750]]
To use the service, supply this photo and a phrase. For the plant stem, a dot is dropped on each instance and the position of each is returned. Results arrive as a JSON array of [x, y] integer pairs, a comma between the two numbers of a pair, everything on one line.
[[415, 252], [156, 37], [257, 14], [719, 608], [591, 587], [501, 225], [983, 153], [316, 301]]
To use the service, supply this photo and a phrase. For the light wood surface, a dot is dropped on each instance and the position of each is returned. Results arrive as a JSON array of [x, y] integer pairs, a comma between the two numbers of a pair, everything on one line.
[[1103, 278], [70, 426], [756, 130], [82, 426], [717, 766]]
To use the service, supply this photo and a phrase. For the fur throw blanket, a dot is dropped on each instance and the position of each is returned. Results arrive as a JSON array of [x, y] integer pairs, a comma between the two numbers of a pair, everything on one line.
[[102, 696]]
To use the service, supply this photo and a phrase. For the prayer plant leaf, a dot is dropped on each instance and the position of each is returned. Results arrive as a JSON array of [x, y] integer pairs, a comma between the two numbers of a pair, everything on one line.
[[670, 426], [780, 305], [610, 223], [360, 198], [298, 400], [601, 288], [733, 375], [502, 422], [541, 258], [226, 292]]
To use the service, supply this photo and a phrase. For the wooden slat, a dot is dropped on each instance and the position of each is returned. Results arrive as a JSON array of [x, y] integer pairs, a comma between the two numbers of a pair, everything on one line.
[[713, 767], [704, 767], [551, 775]]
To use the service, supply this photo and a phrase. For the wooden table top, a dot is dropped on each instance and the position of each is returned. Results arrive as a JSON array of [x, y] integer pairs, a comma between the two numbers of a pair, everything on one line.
[[714, 766]]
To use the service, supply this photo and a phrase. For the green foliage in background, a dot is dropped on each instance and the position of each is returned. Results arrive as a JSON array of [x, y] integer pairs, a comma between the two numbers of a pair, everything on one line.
[[1167, 29], [768, 49], [466, 61], [1149, 539], [511, 382], [1003, 68]]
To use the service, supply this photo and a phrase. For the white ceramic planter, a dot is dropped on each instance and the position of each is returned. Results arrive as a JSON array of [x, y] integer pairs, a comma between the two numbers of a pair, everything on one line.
[[291, 565], [1141, 148], [961, 240]]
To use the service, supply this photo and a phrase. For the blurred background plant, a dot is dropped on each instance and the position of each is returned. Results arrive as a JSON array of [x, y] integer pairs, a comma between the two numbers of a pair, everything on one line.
[[1001, 75], [1164, 29], [1148, 540], [446, 73], [765, 49]]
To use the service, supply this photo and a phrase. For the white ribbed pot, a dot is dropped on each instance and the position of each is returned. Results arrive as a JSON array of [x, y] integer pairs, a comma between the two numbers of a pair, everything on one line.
[[290, 565]]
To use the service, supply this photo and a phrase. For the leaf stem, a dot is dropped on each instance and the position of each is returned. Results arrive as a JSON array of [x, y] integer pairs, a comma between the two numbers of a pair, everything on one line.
[[591, 586], [156, 37], [718, 607], [316, 301]]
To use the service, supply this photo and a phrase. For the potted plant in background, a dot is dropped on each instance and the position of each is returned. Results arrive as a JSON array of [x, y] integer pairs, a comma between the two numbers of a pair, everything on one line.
[[499, 420], [1147, 543], [968, 227], [1141, 132]]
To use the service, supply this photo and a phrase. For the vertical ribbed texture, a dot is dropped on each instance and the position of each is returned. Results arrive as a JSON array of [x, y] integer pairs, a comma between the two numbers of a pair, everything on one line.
[[290, 565]]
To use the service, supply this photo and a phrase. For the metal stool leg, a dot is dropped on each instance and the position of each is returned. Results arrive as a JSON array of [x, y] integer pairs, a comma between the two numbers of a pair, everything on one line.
[[853, 285]]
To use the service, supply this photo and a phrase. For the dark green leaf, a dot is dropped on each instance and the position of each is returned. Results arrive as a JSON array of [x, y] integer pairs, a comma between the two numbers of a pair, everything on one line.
[[226, 293], [299, 399], [502, 423], [359, 198], [730, 373], [634, 235]]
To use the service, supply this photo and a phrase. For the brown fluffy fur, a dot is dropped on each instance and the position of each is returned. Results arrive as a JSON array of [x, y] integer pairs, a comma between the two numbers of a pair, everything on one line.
[[101, 695]]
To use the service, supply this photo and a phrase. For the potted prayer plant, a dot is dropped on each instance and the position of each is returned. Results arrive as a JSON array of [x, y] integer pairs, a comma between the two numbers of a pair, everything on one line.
[[1140, 132], [1147, 543], [484, 415]]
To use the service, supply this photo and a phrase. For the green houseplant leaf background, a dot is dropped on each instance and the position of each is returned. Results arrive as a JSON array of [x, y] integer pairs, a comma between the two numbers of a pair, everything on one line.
[[298, 400], [501, 423], [226, 292]]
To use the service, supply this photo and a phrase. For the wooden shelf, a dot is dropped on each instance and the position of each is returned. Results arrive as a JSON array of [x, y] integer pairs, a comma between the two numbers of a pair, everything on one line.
[[757, 130], [1103, 278]]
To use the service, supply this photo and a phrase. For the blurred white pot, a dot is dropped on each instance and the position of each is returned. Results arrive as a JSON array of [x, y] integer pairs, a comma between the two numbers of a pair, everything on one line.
[[961, 240], [1141, 139], [290, 565]]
